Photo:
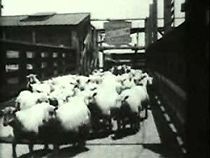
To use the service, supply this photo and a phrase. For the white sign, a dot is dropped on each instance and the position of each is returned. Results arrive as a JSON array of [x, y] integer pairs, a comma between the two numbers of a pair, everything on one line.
[[117, 32]]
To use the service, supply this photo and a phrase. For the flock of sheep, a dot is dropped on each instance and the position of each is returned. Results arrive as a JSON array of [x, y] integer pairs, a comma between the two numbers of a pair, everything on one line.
[[67, 109]]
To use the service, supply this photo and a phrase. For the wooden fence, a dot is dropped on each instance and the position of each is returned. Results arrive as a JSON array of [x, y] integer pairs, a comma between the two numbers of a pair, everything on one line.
[[20, 59], [136, 60]]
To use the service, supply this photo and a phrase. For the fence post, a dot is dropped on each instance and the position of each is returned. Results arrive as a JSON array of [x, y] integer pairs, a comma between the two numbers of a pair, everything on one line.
[[37, 65], [22, 66], [2, 66]]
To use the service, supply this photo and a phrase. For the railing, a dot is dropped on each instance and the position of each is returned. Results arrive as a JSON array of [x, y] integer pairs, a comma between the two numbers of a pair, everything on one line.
[[20, 59], [136, 60]]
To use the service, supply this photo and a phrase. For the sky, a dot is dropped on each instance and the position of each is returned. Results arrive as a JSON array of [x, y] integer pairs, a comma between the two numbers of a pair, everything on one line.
[[97, 8]]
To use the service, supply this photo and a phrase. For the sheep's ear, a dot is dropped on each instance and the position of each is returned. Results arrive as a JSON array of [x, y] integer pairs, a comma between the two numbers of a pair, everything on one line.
[[140, 84], [94, 94], [76, 86], [56, 108], [94, 89], [14, 110], [126, 97], [2, 112]]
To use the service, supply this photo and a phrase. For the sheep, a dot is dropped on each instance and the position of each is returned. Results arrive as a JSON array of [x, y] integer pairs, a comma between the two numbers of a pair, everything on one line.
[[60, 93], [71, 122], [32, 78], [25, 124], [129, 109], [103, 104], [134, 99], [26, 99], [41, 88]]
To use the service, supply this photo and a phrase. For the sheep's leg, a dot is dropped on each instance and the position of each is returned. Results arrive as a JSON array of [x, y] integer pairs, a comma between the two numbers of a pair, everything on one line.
[[55, 147], [118, 124], [123, 123], [146, 112], [14, 154], [46, 147], [137, 123], [81, 143], [109, 124], [30, 146]]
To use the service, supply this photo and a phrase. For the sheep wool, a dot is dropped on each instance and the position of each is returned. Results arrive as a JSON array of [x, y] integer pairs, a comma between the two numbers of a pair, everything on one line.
[[73, 114], [32, 118]]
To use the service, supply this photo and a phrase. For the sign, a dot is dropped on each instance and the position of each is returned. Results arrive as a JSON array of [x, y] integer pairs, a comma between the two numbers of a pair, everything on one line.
[[117, 32]]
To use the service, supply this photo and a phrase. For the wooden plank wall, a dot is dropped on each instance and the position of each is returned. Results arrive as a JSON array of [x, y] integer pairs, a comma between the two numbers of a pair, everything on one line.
[[20, 59]]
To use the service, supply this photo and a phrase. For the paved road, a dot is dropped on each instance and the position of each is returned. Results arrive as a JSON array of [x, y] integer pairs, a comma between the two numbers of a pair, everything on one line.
[[146, 143]]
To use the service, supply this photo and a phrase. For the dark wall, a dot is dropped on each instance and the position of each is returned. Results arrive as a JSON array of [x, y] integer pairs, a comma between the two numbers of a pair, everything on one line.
[[51, 35], [17, 34], [54, 35], [186, 52], [168, 57], [197, 49]]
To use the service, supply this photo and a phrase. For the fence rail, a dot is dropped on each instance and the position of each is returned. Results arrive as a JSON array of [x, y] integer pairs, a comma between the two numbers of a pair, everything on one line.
[[20, 59]]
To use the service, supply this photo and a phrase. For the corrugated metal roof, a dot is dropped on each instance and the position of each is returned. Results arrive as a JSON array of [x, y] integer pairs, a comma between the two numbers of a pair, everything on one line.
[[56, 19]]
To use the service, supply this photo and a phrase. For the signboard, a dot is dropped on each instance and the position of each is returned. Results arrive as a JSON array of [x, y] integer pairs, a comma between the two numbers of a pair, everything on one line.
[[117, 32]]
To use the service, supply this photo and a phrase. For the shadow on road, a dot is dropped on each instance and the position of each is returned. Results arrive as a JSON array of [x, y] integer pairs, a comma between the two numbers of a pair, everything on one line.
[[163, 150], [36, 154], [169, 146], [123, 133], [63, 152]]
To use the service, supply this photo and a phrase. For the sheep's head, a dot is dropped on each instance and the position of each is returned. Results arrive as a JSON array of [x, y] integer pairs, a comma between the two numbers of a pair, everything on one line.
[[90, 99], [53, 101], [32, 78], [50, 114], [8, 114]]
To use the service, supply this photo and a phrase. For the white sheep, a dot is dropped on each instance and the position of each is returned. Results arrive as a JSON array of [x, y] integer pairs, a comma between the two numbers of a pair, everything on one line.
[[104, 103], [27, 99], [26, 123], [71, 122]]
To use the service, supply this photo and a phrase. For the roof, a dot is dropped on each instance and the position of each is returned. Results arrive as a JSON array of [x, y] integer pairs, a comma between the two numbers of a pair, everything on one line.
[[43, 19]]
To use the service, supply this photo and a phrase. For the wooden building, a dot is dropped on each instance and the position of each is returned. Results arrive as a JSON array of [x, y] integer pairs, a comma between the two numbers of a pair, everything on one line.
[[61, 30], [47, 44]]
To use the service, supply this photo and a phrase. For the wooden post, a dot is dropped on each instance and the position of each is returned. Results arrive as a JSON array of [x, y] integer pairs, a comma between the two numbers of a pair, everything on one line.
[[37, 65], [169, 15], [22, 66], [75, 45], [33, 36], [4, 35], [150, 24], [2, 66], [1, 6], [154, 20], [137, 39], [147, 33]]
